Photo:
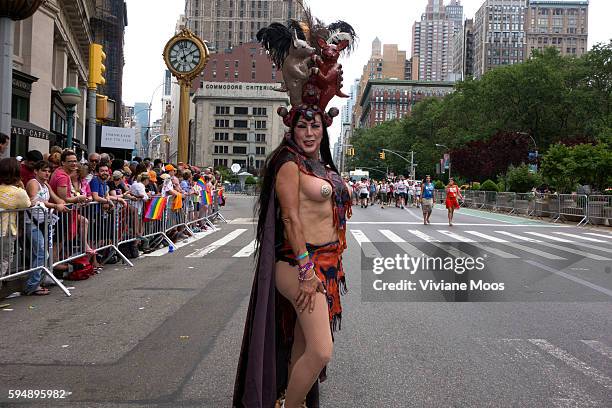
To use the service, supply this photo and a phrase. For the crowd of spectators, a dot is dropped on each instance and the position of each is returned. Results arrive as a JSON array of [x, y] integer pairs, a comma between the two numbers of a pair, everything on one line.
[[58, 180]]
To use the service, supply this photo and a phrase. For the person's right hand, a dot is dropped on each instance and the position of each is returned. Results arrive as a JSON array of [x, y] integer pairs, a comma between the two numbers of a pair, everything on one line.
[[61, 208], [307, 292]]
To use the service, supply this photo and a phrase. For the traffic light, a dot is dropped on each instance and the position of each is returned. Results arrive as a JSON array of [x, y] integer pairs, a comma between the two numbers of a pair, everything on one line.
[[350, 151], [101, 107], [96, 65], [381, 155]]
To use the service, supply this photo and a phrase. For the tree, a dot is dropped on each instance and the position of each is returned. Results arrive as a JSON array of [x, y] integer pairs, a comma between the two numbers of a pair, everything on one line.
[[520, 180]]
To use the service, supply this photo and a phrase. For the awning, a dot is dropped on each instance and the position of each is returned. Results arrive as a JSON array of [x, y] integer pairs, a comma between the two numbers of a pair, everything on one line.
[[23, 128]]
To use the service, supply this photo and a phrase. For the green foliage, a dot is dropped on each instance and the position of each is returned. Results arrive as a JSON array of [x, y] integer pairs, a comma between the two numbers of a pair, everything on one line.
[[488, 185], [549, 97], [227, 174], [439, 185], [250, 180], [474, 186], [520, 180], [564, 167]]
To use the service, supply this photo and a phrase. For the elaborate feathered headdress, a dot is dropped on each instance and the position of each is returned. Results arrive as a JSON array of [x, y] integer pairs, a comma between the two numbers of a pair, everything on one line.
[[307, 53]]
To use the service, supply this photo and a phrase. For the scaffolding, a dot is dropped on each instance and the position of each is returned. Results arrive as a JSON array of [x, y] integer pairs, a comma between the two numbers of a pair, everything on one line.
[[108, 25]]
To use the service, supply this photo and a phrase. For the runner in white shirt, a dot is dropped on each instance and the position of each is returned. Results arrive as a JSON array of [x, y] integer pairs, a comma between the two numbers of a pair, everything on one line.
[[402, 191], [364, 193]]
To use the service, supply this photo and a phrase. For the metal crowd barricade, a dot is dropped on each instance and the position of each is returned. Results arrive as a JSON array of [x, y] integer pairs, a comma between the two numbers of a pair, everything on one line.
[[573, 205], [216, 213], [154, 228], [546, 205], [599, 209], [177, 218], [489, 200], [26, 244], [479, 199], [524, 203], [468, 199], [199, 214], [439, 196], [101, 222], [505, 202]]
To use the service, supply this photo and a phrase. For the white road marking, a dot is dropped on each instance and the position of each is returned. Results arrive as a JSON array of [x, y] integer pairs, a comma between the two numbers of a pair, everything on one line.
[[217, 244], [197, 236], [599, 347], [572, 250], [573, 362], [527, 239], [423, 236], [401, 242], [599, 235], [517, 246], [572, 278], [579, 237], [247, 251], [495, 251], [459, 224], [519, 352], [366, 245]]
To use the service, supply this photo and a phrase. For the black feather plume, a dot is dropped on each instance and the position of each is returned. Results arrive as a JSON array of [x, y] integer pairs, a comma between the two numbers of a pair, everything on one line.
[[346, 29], [276, 39]]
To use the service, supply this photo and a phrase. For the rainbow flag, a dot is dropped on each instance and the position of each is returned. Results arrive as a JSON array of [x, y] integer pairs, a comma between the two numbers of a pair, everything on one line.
[[220, 196], [207, 195], [155, 208], [201, 183]]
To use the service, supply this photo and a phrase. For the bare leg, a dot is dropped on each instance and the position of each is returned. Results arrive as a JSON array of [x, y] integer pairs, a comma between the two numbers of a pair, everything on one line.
[[299, 346], [317, 336]]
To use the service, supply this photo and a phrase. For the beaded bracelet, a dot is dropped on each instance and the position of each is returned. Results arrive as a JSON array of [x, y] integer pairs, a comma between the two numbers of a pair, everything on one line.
[[300, 257], [303, 270]]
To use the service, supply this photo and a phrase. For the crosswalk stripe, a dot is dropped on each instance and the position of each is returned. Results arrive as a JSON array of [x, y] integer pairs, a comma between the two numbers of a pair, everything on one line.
[[456, 236], [568, 392], [579, 237], [573, 362], [423, 236], [599, 347], [572, 250], [573, 278], [217, 244], [527, 239], [487, 248], [246, 251], [599, 235], [401, 242], [517, 246], [366, 245]]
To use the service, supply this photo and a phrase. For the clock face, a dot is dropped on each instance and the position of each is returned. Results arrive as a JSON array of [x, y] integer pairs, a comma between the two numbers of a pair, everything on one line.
[[184, 56]]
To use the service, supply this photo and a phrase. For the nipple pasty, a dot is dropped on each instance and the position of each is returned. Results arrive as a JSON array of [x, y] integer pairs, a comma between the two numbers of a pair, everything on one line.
[[326, 190]]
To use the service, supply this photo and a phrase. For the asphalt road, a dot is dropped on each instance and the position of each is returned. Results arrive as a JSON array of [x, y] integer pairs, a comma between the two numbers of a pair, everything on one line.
[[167, 332]]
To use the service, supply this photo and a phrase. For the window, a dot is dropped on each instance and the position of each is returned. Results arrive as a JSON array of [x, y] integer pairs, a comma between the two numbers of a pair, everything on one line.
[[236, 64], [241, 124], [260, 111], [259, 164], [222, 110], [240, 137], [242, 163], [221, 136], [239, 150], [221, 149], [221, 123], [220, 162], [260, 137], [260, 151], [260, 124], [241, 110]]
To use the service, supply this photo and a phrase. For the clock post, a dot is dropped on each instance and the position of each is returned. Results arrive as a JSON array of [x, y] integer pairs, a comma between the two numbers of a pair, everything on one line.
[[186, 56]]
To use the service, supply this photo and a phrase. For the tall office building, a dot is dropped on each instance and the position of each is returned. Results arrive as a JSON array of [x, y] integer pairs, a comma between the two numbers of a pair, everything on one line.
[[432, 41], [388, 64], [228, 23], [499, 34], [563, 24]]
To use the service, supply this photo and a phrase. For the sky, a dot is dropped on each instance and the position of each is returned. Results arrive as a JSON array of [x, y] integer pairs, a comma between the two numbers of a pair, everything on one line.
[[151, 23]]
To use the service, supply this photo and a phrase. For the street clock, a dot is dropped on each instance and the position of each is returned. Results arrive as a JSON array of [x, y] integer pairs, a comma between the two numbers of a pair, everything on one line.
[[186, 55]]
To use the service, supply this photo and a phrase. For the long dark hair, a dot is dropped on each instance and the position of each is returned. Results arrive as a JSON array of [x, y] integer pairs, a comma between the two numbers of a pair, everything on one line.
[[268, 173]]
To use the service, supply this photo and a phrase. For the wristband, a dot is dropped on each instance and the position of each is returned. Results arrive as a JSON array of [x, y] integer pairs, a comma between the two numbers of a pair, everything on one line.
[[300, 257]]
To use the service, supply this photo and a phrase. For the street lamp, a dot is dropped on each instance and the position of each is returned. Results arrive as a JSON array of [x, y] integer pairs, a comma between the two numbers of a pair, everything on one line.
[[449, 158], [535, 145], [71, 97]]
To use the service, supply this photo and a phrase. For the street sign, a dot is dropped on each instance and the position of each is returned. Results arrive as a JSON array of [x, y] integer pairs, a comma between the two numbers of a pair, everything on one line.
[[235, 168]]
